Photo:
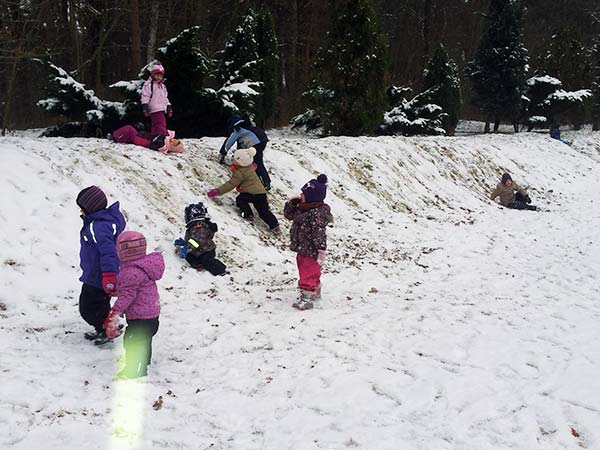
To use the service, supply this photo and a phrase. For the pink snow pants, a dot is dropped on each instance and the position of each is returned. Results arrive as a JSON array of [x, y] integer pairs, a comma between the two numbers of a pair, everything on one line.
[[310, 273], [159, 123], [129, 135]]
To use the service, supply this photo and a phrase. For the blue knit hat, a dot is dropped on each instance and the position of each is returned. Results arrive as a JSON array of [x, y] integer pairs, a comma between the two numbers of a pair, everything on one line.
[[315, 190]]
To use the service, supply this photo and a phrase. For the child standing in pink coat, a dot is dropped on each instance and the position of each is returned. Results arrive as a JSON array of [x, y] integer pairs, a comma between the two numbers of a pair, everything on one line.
[[155, 100], [138, 300]]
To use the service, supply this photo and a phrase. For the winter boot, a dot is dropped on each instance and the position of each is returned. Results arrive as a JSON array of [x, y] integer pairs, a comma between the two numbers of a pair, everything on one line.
[[104, 339], [305, 300]]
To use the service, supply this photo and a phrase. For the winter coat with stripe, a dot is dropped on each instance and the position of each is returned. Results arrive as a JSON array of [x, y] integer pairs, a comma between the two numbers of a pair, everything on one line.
[[202, 233], [98, 238], [137, 292], [308, 234]]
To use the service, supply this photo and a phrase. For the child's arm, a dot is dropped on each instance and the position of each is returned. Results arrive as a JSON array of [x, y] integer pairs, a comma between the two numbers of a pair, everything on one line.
[[234, 181], [319, 234], [231, 140], [145, 97], [495, 193], [104, 236], [128, 282], [291, 208]]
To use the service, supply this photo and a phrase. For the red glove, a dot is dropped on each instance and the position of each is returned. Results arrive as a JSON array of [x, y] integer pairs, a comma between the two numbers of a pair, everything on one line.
[[109, 283], [111, 324], [213, 193], [169, 111]]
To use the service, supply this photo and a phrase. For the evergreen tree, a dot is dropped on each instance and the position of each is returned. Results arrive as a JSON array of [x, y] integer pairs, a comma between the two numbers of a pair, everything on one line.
[[499, 69], [441, 76], [348, 92], [250, 59], [596, 87]]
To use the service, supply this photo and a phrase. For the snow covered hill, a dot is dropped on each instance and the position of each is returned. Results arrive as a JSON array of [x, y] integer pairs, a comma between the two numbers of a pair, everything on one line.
[[447, 322]]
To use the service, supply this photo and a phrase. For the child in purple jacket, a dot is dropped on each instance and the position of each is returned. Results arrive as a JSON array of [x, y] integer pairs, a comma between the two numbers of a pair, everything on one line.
[[98, 258], [138, 300], [155, 100]]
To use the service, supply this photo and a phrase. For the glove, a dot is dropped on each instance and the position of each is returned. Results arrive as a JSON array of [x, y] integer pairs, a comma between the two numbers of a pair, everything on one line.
[[169, 111], [321, 254], [146, 109], [222, 159], [111, 324], [213, 193], [295, 200], [527, 199], [109, 283]]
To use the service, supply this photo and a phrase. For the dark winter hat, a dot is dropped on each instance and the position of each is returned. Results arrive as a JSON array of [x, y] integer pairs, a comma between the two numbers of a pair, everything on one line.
[[234, 121], [91, 199], [131, 245], [505, 178], [315, 190], [195, 212]]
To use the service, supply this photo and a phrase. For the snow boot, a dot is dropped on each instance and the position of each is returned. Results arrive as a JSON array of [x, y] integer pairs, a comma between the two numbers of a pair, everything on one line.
[[305, 300]]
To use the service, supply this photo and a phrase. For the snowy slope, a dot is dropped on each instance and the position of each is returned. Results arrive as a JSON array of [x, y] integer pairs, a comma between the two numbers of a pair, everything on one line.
[[447, 321]]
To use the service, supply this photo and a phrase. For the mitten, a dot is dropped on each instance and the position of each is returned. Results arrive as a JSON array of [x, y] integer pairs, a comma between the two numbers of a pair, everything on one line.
[[213, 193], [169, 111], [146, 109], [111, 324], [179, 242], [321, 254], [527, 199], [109, 283]]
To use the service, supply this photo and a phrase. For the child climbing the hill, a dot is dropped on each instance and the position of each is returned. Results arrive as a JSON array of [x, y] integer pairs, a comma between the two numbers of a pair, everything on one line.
[[511, 194], [98, 258], [199, 244], [251, 189], [308, 238], [138, 300], [246, 136], [155, 100]]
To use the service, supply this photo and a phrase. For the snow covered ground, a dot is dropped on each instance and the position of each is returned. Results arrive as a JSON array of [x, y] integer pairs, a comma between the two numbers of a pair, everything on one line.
[[447, 322]]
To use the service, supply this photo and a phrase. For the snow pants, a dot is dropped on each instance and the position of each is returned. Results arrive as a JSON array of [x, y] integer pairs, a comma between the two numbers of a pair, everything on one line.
[[261, 171], [261, 204], [137, 342], [520, 202], [207, 261], [309, 272], [129, 135], [159, 123], [94, 305]]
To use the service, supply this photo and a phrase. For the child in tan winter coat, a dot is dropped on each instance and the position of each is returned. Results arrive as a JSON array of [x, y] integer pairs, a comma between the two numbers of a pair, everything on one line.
[[511, 194], [251, 190]]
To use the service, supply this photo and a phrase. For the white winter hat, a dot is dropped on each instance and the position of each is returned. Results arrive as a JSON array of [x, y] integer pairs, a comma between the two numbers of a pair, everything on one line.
[[244, 156]]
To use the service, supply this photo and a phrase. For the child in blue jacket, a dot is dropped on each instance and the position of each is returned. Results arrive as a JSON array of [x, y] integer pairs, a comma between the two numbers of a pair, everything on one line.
[[248, 136], [98, 258]]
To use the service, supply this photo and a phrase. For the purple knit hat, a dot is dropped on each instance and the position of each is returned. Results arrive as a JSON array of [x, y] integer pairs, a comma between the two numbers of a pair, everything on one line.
[[91, 199], [505, 178], [131, 245], [315, 190]]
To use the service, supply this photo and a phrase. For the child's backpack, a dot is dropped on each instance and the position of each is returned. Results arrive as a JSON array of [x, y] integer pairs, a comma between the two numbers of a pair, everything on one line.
[[195, 212]]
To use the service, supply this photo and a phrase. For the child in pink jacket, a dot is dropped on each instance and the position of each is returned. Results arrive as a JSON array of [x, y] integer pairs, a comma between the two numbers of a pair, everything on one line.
[[155, 100], [138, 300]]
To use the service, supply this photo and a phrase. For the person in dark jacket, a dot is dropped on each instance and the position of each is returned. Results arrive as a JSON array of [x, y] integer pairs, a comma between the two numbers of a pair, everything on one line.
[[308, 238], [246, 135], [200, 246], [98, 258], [511, 194]]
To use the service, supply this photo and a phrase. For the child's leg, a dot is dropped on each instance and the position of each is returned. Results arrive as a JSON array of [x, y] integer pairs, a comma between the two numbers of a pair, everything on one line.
[[138, 346], [94, 305], [309, 273], [212, 264], [125, 134], [159, 123], [243, 202], [261, 171], [262, 207], [194, 261]]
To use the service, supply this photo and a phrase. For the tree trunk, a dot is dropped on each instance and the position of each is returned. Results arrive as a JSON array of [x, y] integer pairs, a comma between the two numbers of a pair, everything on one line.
[[10, 90], [596, 124], [136, 38], [426, 32], [154, 9], [75, 38], [486, 129], [496, 125]]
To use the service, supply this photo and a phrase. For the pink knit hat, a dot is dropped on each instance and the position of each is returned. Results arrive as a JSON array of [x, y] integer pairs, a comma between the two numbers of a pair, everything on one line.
[[157, 68], [131, 245]]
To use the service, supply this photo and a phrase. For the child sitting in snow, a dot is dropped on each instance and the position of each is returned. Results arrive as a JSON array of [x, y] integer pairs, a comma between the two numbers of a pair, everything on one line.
[[308, 238], [155, 100], [198, 247], [511, 194], [163, 143], [251, 189], [138, 300], [98, 258]]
